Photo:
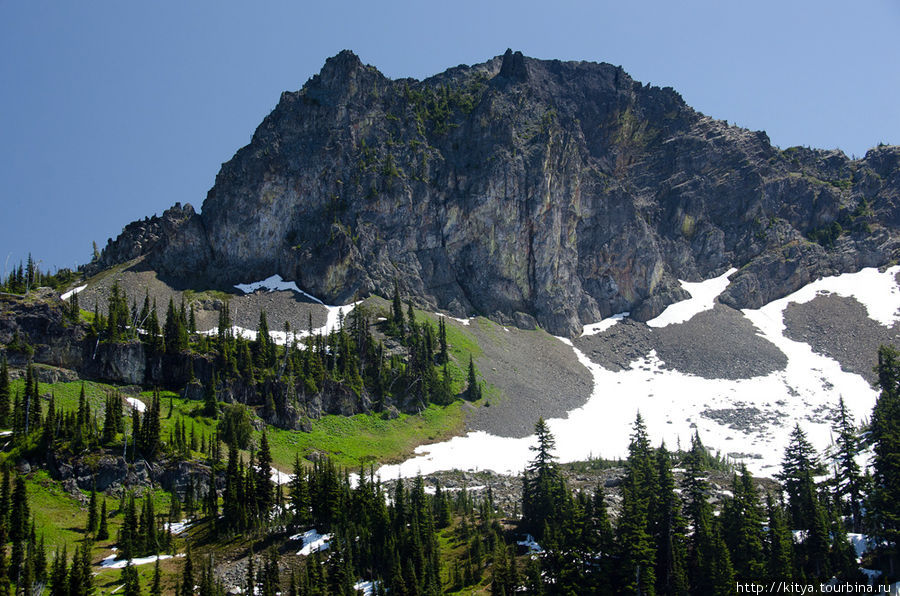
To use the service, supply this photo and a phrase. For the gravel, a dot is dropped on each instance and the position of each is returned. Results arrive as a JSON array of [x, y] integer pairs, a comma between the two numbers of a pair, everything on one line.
[[715, 344], [539, 376], [279, 306], [840, 328], [718, 344]]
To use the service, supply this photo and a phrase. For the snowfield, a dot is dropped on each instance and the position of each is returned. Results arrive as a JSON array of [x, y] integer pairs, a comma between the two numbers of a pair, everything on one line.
[[674, 405], [703, 297]]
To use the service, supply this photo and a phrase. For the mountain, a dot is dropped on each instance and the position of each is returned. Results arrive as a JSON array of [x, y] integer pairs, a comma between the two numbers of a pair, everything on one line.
[[529, 191]]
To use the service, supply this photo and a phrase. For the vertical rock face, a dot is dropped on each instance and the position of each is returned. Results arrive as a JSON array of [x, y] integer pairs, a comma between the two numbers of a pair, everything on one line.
[[519, 188]]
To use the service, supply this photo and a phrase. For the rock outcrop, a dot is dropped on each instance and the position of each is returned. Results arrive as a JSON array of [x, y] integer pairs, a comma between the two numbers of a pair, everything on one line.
[[523, 190]]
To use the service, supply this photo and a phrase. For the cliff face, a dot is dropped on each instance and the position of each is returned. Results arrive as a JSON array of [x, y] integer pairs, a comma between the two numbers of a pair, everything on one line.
[[523, 190]]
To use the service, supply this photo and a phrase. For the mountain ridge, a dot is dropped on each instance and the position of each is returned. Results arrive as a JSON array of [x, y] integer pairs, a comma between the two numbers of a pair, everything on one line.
[[533, 192]]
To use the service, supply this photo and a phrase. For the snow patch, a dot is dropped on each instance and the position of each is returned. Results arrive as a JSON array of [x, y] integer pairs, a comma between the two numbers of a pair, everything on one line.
[[136, 404], [275, 284], [279, 477], [312, 541], [531, 544], [462, 321], [111, 562], [176, 528], [607, 323], [703, 297], [72, 292], [367, 587]]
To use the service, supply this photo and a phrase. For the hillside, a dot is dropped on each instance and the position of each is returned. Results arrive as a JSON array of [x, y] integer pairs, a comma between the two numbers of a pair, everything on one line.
[[524, 326]]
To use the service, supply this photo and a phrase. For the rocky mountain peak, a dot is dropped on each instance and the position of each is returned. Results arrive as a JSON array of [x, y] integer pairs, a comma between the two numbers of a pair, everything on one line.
[[577, 195], [513, 67]]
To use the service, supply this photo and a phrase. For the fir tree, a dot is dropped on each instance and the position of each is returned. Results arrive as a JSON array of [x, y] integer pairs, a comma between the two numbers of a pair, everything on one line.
[[798, 467], [742, 520], [779, 544], [884, 500], [847, 474], [103, 530], [4, 394], [473, 390], [92, 521], [263, 481]]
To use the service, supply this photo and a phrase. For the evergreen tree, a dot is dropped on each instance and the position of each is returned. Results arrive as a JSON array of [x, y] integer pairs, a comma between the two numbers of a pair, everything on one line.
[[742, 521], [103, 530], [779, 544], [669, 531], [92, 513], [638, 564], [130, 580], [156, 586], [187, 574], [848, 477], [798, 467], [542, 484], [473, 390], [4, 394], [884, 500], [174, 333], [263, 481]]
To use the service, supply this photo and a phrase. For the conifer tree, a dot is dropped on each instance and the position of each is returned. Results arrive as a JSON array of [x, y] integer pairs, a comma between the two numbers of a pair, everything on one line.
[[848, 477], [473, 391], [779, 544], [174, 333], [668, 530], [798, 467], [103, 530], [187, 574], [397, 311], [19, 517], [742, 521], [263, 481], [638, 565], [156, 586], [4, 394], [130, 580], [884, 500], [92, 520]]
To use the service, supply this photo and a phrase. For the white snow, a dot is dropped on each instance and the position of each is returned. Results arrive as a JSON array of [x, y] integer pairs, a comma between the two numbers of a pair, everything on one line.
[[595, 328], [463, 321], [72, 292], [312, 541], [367, 587], [279, 477], [431, 490], [274, 284], [703, 297], [671, 402], [177, 527], [531, 544], [136, 404], [111, 562]]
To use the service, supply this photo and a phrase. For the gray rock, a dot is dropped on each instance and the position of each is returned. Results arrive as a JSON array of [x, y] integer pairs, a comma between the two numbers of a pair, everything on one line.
[[559, 192]]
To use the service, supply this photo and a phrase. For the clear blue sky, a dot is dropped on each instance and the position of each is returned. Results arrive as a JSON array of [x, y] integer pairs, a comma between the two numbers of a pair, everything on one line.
[[111, 110]]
